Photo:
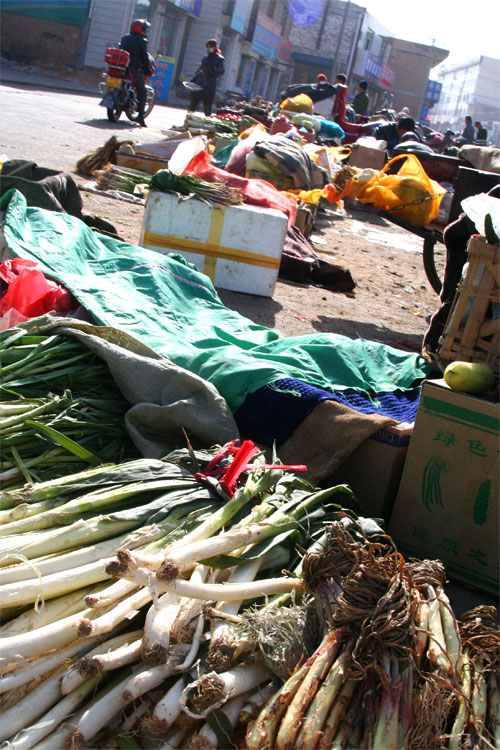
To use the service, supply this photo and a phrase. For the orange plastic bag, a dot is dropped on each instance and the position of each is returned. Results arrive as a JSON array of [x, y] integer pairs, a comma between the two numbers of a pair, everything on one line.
[[409, 195]]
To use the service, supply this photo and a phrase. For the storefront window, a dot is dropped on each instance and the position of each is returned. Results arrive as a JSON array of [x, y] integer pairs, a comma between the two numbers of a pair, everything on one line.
[[241, 71], [142, 9]]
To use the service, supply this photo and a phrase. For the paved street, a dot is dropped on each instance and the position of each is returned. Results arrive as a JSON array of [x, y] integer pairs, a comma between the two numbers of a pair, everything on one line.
[[56, 128]]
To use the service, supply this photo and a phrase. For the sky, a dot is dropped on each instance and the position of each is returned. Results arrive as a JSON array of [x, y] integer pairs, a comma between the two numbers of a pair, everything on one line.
[[465, 29]]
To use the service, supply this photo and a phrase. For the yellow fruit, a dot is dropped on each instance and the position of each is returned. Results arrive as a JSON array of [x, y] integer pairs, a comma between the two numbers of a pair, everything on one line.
[[469, 377]]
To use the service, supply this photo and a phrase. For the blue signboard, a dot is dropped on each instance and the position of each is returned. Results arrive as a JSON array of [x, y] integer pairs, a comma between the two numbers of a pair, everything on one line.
[[424, 112], [433, 91], [191, 6], [372, 67], [162, 79], [266, 37], [305, 12], [263, 80], [249, 78], [241, 15]]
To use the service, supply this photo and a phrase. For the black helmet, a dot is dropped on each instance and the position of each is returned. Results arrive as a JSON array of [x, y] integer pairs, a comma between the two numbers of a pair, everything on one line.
[[140, 26]]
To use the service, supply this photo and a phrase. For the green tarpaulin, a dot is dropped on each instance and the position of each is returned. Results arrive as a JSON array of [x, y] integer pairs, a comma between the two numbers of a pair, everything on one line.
[[175, 310]]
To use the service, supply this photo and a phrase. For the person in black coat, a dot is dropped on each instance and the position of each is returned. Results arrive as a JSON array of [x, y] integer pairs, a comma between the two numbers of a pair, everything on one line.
[[211, 68], [136, 44]]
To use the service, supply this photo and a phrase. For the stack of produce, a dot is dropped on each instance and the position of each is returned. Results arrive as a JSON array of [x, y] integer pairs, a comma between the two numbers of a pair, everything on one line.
[[393, 670], [101, 156], [165, 181], [96, 657], [205, 639], [59, 408], [199, 124]]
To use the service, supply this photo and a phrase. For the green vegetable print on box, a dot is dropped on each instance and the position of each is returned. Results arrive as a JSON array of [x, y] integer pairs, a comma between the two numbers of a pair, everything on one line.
[[481, 501], [431, 482]]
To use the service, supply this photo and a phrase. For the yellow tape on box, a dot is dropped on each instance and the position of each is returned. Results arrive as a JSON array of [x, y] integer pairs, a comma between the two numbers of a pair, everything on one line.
[[219, 240]]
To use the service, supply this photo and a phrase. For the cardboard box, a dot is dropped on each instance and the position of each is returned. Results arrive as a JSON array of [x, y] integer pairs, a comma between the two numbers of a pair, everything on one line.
[[148, 164], [447, 504], [366, 157], [374, 470], [304, 218], [238, 247]]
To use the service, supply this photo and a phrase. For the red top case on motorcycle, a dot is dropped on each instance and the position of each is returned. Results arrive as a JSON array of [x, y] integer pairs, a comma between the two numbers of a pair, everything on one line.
[[116, 57]]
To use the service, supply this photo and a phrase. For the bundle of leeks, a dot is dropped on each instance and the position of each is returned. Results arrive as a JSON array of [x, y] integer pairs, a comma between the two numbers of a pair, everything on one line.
[[392, 669], [96, 656], [59, 408]]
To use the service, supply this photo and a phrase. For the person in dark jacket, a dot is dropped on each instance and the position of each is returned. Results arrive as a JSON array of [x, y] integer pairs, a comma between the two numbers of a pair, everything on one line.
[[481, 133], [211, 68], [468, 132], [361, 100], [397, 132], [136, 44]]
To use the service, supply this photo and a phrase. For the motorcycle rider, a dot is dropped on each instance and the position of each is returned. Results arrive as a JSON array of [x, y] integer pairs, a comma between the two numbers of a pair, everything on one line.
[[136, 44]]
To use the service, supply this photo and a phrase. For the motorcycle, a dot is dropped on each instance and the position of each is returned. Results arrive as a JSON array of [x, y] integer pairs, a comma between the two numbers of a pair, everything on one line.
[[117, 87]]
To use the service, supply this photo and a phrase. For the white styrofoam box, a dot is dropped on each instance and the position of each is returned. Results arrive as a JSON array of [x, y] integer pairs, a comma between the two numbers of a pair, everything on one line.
[[238, 247]]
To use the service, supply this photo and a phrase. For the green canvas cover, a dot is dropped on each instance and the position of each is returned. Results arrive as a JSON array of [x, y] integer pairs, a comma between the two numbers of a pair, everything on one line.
[[171, 307]]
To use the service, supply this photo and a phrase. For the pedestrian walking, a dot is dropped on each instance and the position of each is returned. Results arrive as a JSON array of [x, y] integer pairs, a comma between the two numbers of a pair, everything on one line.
[[211, 68]]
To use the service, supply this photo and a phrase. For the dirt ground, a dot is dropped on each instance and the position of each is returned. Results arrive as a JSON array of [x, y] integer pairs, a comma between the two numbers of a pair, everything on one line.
[[392, 300]]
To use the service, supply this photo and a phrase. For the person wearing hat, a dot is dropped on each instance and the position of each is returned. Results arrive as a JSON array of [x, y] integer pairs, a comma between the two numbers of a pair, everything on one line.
[[361, 100]]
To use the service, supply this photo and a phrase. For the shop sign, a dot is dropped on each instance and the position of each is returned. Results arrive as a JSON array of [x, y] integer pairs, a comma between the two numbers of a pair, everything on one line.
[[266, 37], [241, 15], [190, 6], [285, 50], [263, 80], [162, 78], [372, 67], [387, 76], [433, 91], [249, 78]]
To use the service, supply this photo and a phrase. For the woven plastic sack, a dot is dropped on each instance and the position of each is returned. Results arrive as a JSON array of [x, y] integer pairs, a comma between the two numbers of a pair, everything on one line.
[[409, 195]]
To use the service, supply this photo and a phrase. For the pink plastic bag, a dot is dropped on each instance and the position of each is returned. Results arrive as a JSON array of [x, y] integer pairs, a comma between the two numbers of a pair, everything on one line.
[[256, 192], [30, 293]]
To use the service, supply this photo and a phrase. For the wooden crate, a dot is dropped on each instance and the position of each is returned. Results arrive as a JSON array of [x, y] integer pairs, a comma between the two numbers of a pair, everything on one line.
[[472, 331]]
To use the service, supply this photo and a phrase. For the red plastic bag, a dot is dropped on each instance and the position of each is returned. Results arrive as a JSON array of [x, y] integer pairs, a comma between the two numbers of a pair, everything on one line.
[[256, 192], [30, 293]]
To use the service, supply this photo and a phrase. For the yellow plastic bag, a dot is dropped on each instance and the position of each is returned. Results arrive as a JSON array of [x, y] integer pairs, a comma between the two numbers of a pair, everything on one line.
[[409, 195], [299, 103], [245, 133]]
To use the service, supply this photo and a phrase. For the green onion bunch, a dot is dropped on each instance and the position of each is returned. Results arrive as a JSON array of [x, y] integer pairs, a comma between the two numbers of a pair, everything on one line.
[[105, 577], [111, 177], [192, 186], [165, 181], [59, 408]]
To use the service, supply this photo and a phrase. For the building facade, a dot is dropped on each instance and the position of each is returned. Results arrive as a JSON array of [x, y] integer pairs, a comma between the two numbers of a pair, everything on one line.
[[371, 63], [470, 87], [412, 64], [323, 37]]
